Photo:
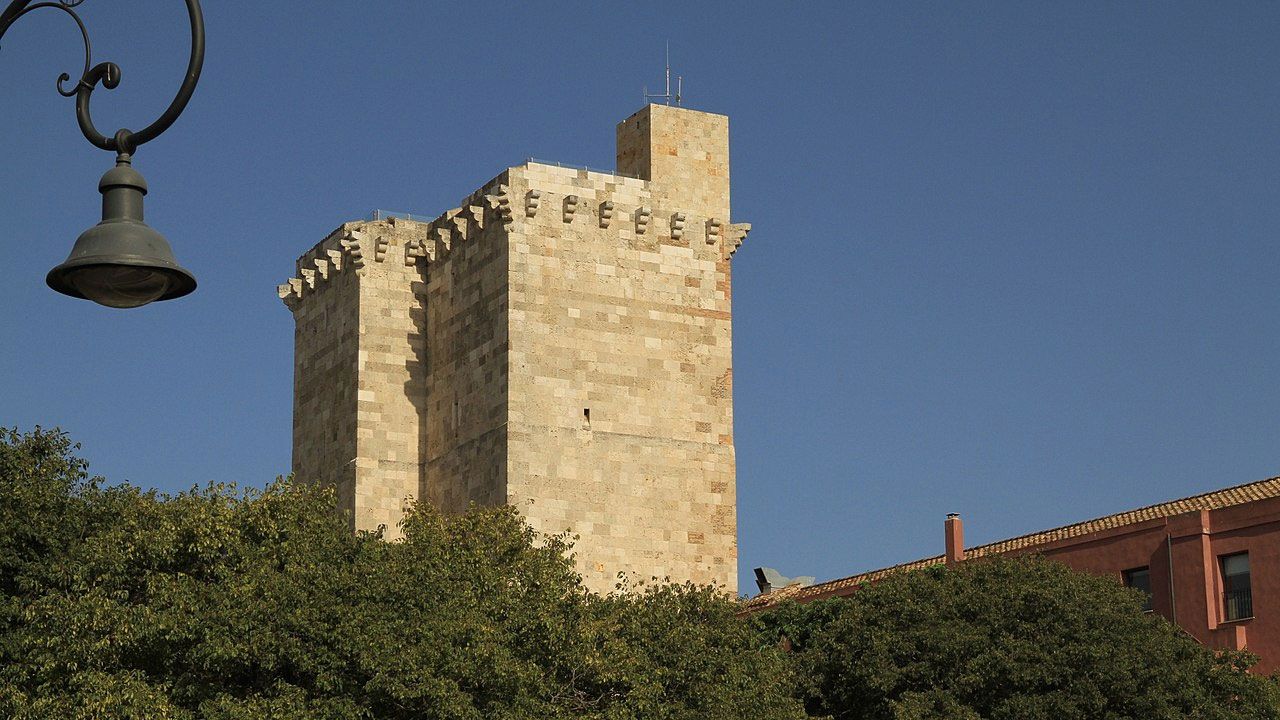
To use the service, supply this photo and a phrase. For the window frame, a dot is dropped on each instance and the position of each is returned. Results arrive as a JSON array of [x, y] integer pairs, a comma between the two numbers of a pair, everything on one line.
[[1237, 602], [1126, 577]]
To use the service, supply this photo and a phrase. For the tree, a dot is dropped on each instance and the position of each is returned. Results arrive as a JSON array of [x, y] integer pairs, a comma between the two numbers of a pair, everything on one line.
[[225, 603], [1008, 639]]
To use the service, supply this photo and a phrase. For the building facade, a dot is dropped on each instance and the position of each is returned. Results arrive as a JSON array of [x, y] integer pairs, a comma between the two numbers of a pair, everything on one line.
[[1210, 563], [560, 341]]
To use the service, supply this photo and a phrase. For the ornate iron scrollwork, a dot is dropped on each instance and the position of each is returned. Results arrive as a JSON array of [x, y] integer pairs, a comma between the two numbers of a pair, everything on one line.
[[124, 141]]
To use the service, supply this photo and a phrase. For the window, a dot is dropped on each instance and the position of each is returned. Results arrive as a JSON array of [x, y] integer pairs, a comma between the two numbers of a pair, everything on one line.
[[1140, 579], [1237, 596]]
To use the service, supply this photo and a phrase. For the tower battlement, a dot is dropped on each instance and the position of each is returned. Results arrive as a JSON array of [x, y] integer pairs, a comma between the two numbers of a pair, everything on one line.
[[616, 202], [559, 341]]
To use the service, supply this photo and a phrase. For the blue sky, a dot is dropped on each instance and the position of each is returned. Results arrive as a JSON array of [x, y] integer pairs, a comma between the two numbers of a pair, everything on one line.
[[1012, 260]]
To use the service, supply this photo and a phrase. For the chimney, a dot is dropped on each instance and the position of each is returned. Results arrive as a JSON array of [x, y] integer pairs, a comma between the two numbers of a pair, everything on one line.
[[955, 539]]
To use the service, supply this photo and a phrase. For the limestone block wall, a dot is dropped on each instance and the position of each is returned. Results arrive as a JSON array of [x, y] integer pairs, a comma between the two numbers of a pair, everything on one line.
[[621, 410], [560, 341], [683, 153], [359, 376], [467, 343], [326, 349], [391, 372]]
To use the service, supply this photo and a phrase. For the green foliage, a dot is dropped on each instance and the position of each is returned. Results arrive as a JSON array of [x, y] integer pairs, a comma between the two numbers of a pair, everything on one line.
[[223, 603], [1008, 639], [227, 604]]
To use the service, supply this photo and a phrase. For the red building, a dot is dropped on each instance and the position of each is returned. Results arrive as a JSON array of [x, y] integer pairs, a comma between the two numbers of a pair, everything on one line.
[[1208, 562]]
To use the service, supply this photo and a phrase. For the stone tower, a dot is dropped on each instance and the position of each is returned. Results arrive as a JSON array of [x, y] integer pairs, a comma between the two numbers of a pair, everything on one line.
[[560, 341]]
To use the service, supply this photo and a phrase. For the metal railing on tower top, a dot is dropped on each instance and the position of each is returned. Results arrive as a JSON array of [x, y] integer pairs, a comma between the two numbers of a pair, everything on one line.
[[588, 168], [387, 214]]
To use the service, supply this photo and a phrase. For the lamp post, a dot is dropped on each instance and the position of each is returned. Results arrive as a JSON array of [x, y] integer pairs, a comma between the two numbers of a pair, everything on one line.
[[120, 262]]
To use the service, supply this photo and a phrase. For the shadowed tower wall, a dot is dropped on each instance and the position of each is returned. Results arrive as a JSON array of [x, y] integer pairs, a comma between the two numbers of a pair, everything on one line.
[[359, 379], [561, 341]]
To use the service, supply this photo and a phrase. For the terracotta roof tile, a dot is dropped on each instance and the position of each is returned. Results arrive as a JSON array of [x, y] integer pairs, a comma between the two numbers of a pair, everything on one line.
[[1226, 497]]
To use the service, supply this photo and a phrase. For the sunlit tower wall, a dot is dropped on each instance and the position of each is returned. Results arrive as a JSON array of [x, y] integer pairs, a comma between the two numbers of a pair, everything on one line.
[[560, 341]]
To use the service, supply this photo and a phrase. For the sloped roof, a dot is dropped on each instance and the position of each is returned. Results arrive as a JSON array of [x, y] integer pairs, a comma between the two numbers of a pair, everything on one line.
[[1217, 499]]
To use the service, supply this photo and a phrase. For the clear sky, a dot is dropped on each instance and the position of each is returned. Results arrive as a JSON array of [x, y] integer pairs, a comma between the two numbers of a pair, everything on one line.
[[1011, 260]]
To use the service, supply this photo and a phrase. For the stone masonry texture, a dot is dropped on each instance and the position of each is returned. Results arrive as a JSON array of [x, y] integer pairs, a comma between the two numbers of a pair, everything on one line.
[[561, 341]]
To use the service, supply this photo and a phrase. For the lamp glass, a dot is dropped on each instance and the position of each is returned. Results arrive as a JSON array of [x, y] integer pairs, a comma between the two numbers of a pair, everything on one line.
[[120, 286]]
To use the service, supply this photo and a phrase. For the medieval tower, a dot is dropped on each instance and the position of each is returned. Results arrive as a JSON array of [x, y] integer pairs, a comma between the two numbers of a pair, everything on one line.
[[560, 341]]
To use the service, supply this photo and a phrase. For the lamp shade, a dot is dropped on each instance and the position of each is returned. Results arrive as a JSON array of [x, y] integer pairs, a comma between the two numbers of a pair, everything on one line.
[[121, 262]]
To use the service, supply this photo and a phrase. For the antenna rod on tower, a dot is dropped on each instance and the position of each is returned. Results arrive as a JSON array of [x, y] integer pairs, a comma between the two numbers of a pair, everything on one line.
[[667, 59], [679, 83]]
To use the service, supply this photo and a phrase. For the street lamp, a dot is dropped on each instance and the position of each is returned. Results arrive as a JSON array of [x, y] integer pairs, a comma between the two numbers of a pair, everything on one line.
[[120, 262]]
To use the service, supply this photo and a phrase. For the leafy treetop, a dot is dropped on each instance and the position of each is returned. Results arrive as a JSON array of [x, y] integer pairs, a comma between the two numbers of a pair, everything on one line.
[[223, 603], [1008, 639]]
